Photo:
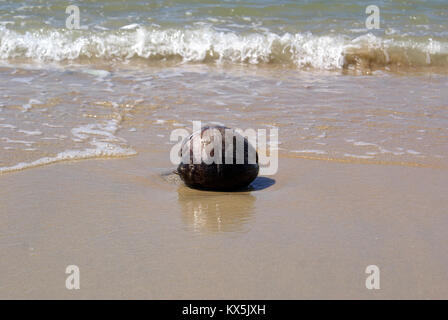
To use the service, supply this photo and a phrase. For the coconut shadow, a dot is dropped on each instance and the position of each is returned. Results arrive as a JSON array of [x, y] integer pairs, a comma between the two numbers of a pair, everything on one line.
[[260, 183]]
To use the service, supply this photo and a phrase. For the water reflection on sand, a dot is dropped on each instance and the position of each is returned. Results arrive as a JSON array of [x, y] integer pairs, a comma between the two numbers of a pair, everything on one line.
[[207, 211]]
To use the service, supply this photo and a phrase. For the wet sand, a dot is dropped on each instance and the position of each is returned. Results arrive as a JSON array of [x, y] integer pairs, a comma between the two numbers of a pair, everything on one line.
[[310, 233]]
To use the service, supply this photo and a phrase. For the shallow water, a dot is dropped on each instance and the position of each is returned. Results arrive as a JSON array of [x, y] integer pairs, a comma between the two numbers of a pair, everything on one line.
[[57, 114], [134, 72]]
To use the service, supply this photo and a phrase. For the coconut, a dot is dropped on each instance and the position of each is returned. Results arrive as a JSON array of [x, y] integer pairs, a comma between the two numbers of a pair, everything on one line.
[[217, 158]]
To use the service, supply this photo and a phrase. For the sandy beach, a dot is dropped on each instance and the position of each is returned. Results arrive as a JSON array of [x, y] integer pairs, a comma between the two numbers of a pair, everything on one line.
[[311, 234], [361, 181], [91, 98]]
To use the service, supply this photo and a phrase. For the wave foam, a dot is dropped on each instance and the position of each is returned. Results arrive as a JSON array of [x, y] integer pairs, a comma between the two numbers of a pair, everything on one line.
[[99, 135], [206, 44], [102, 150]]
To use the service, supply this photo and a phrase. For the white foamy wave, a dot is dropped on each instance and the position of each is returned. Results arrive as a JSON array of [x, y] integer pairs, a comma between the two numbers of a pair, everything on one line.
[[100, 135], [102, 150], [357, 156], [106, 130], [310, 151], [31, 133], [207, 44]]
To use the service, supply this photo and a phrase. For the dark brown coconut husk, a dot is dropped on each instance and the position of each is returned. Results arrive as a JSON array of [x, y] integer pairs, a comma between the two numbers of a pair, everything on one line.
[[224, 176]]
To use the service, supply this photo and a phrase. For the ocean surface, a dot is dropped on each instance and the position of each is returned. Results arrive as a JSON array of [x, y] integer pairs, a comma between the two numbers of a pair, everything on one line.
[[136, 70], [304, 34]]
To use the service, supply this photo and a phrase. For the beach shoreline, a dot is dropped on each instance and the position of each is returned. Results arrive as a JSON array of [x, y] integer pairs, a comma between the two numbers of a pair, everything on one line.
[[350, 99]]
